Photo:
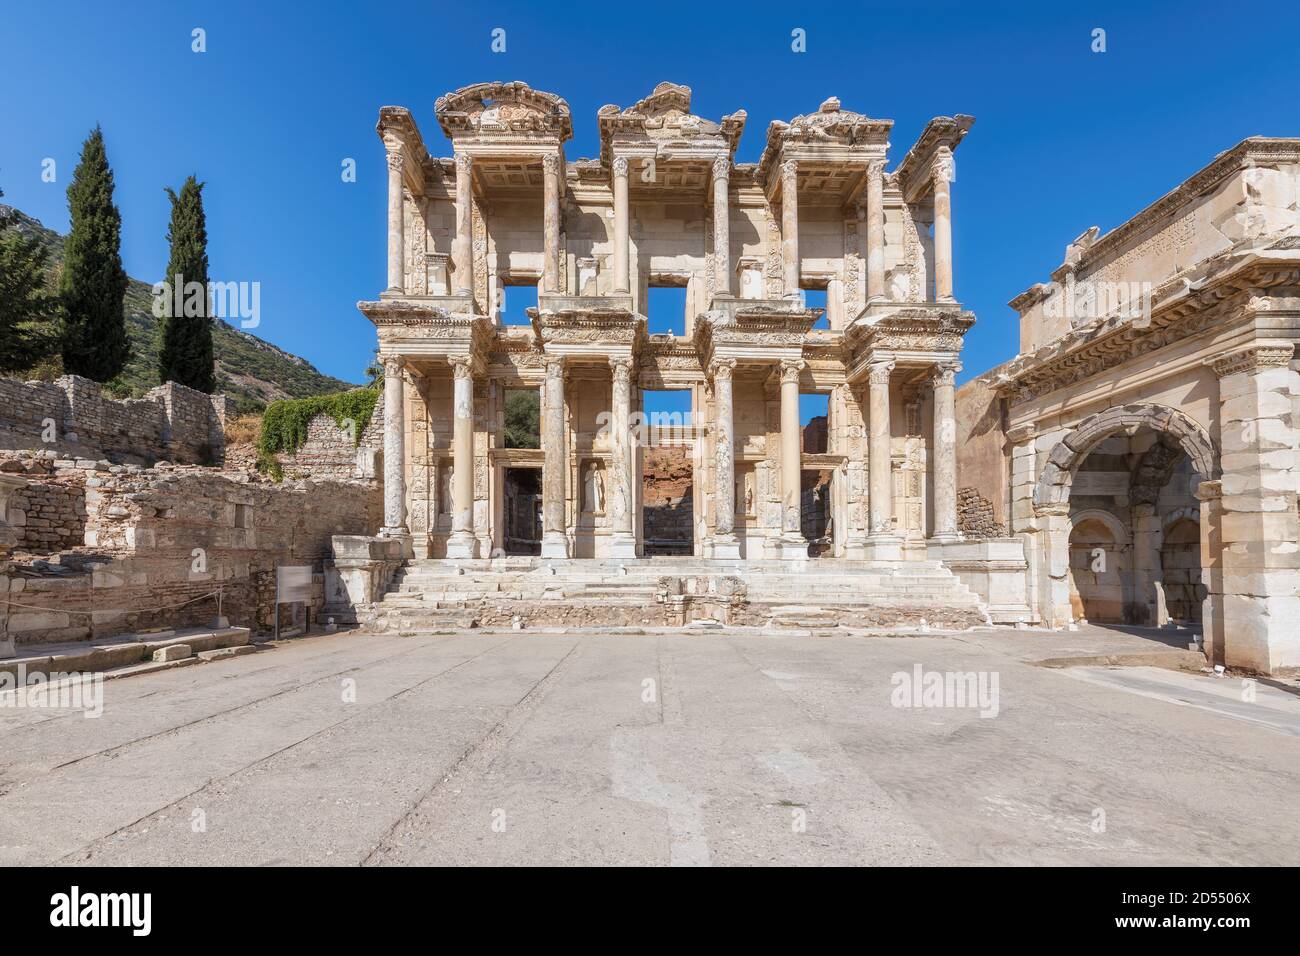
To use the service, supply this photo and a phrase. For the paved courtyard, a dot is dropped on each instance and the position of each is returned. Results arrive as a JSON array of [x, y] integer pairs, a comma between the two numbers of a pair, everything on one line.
[[716, 748]]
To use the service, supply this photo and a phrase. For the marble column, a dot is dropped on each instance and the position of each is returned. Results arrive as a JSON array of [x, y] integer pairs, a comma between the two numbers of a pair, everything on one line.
[[462, 543], [394, 451], [942, 173], [725, 543], [882, 543], [945, 452], [396, 229], [555, 461], [721, 226], [793, 543], [621, 227], [876, 232], [551, 223], [463, 254], [622, 456], [790, 228]]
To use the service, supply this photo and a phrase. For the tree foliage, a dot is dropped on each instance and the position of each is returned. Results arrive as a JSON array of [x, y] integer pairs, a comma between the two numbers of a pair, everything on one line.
[[185, 332], [29, 309]]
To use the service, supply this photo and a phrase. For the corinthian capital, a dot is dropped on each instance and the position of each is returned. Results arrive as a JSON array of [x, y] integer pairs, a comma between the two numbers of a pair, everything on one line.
[[945, 373], [876, 171], [396, 158], [943, 169], [462, 366], [551, 164], [721, 369], [464, 164], [721, 167], [619, 166], [879, 372], [392, 365], [621, 365], [790, 369]]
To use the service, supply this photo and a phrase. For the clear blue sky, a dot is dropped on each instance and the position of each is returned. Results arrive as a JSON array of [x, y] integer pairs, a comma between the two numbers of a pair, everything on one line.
[[1065, 138]]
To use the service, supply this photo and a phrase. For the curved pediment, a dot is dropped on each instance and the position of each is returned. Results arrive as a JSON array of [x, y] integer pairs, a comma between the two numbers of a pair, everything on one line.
[[494, 108]]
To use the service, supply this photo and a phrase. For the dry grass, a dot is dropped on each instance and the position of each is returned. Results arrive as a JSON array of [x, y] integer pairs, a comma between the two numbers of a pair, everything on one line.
[[243, 430]]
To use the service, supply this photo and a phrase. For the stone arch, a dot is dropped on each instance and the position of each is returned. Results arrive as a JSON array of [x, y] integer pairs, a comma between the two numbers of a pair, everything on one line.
[[1181, 514], [1116, 527], [1053, 487]]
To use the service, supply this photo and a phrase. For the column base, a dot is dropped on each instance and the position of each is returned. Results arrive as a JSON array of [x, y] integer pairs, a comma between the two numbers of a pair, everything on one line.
[[855, 549], [792, 548], [462, 544], [622, 546], [402, 535], [725, 547], [945, 537], [555, 544], [883, 547]]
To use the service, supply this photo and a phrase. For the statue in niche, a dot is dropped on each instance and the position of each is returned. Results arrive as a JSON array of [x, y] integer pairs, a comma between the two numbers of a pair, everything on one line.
[[445, 485], [593, 489]]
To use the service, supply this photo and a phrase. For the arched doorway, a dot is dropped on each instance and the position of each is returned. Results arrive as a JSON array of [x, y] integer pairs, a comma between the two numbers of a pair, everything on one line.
[[1112, 491]]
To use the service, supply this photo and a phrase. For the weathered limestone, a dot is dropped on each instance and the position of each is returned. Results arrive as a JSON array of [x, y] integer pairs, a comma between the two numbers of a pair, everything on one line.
[[394, 450], [396, 233], [724, 463], [1258, 531], [555, 540], [551, 166], [943, 176], [790, 227], [793, 544], [622, 458], [464, 251], [945, 453], [462, 543], [721, 226], [882, 543], [621, 227], [875, 232]]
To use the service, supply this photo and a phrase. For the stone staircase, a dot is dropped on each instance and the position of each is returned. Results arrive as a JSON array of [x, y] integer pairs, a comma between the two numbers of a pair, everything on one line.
[[432, 595]]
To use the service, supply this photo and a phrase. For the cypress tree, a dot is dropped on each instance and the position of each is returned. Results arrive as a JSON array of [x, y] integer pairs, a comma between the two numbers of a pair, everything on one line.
[[93, 283], [29, 310], [185, 333]]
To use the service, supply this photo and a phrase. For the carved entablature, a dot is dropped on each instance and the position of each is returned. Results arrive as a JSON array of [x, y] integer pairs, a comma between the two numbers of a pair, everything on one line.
[[915, 174], [1178, 312], [754, 326], [662, 124], [911, 330], [421, 329], [666, 361], [821, 142], [588, 331], [503, 111]]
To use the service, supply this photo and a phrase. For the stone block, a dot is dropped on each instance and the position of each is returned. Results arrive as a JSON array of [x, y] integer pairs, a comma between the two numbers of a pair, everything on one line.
[[172, 652]]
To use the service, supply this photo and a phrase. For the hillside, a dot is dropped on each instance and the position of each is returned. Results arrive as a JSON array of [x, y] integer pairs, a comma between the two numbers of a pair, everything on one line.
[[248, 369]]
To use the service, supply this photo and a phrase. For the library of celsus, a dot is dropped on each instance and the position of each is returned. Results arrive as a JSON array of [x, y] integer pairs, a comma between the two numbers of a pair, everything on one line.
[[1135, 463]]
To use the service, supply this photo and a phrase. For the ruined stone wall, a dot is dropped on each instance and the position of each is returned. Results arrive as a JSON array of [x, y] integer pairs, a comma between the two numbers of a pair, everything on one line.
[[49, 513], [330, 453], [982, 463], [159, 542], [71, 415], [976, 515]]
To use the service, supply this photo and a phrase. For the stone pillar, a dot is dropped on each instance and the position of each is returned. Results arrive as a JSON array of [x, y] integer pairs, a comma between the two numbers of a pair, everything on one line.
[[793, 544], [721, 226], [725, 544], [462, 543], [876, 231], [622, 457], [555, 462], [942, 172], [945, 452], [882, 543], [394, 451], [463, 254], [1258, 529], [1051, 530], [622, 249], [551, 223], [1210, 495], [790, 228], [1144, 606], [396, 229]]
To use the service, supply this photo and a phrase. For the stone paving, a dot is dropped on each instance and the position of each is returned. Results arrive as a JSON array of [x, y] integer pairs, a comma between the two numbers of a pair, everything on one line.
[[716, 748]]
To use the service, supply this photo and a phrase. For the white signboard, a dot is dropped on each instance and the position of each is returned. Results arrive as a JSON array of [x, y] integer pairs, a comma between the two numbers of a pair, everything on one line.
[[293, 584]]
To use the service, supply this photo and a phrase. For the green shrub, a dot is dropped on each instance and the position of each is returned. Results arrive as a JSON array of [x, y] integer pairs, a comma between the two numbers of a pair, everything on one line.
[[284, 423]]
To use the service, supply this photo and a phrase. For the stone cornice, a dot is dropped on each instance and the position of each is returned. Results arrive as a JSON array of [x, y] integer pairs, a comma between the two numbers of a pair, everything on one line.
[[1178, 312], [829, 126], [665, 118], [496, 108], [1254, 151], [914, 173]]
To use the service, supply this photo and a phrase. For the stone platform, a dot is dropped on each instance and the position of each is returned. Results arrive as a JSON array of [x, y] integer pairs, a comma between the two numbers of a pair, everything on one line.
[[531, 592]]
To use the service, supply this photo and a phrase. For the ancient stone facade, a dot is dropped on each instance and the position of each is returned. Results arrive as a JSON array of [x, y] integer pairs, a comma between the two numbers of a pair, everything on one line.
[[666, 204], [1143, 444]]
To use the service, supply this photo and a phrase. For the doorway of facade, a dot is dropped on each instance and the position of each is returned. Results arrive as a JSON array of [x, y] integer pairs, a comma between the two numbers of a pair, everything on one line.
[[667, 474], [523, 511]]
